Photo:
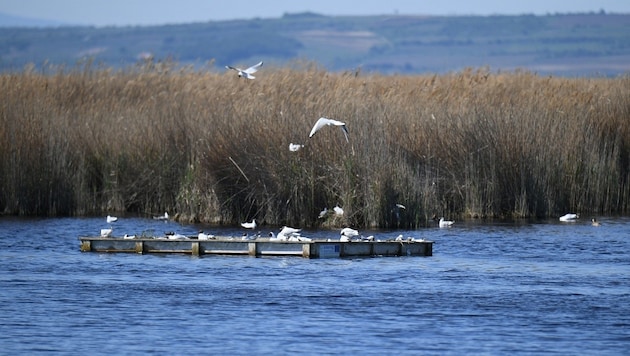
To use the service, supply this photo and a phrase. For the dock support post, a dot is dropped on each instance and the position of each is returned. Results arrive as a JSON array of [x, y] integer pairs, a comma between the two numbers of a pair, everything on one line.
[[140, 247], [86, 245], [306, 250], [252, 248], [194, 249]]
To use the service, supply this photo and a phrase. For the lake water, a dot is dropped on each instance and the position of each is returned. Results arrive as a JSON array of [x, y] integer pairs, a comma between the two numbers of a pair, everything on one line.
[[489, 288]]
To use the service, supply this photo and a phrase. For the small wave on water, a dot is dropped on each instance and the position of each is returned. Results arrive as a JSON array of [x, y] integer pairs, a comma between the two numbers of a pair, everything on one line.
[[490, 288]]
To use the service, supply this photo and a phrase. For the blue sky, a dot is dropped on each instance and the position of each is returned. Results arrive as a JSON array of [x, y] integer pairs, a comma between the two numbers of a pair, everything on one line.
[[153, 12]]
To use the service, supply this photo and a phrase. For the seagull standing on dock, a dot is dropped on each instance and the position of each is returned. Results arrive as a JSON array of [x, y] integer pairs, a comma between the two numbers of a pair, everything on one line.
[[106, 232], [289, 232], [346, 234], [328, 122], [246, 73], [203, 236], [249, 225], [111, 219]]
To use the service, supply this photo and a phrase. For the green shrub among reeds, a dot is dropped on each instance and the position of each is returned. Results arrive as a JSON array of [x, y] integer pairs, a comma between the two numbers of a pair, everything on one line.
[[214, 148]]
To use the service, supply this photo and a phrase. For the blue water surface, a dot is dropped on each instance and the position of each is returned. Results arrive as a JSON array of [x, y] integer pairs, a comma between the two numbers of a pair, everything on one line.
[[490, 288]]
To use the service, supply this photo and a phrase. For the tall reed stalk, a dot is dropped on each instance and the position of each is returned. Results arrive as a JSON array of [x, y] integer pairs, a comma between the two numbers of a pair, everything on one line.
[[214, 148]]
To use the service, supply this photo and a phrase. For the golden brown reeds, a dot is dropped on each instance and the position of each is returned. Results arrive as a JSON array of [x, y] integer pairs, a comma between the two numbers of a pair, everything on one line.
[[214, 148]]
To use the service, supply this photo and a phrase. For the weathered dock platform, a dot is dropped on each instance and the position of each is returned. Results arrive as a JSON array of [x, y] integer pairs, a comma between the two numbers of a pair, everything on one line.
[[260, 247]]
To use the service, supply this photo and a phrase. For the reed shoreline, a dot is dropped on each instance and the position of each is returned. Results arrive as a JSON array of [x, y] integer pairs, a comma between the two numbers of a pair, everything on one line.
[[211, 147]]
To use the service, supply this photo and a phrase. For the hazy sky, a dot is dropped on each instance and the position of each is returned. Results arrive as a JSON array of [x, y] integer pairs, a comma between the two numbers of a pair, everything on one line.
[[151, 12]]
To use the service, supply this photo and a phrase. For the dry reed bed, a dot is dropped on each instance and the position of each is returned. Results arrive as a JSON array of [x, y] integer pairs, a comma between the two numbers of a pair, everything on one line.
[[214, 148]]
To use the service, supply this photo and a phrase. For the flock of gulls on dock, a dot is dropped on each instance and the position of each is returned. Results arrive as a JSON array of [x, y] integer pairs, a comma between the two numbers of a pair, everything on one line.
[[346, 234], [285, 234]]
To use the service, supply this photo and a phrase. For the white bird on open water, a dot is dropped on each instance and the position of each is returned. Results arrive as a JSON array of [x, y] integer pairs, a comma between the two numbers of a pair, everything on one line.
[[111, 219], [569, 217], [293, 147], [328, 122], [249, 225], [246, 73], [446, 223]]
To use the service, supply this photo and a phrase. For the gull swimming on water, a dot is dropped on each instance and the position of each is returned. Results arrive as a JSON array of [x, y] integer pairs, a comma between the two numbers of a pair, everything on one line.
[[594, 222], [161, 217], [246, 73], [327, 122], [111, 219], [569, 217], [293, 147], [249, 225], [446, 223]]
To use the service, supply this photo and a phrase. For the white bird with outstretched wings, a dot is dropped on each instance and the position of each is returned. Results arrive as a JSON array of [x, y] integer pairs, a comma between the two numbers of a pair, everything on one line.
[[246, 73]]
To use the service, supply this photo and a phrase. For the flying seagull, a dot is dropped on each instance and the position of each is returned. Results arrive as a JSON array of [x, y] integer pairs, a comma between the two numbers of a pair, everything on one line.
[[327, 122], [294, 147], [247, 73]]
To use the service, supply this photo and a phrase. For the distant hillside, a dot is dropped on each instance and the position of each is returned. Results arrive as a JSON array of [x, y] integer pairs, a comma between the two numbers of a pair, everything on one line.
[[18, 21], [561, 44]]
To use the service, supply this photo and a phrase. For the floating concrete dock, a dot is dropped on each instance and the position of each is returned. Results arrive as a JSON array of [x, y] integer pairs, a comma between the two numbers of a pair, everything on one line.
[[259, 247]]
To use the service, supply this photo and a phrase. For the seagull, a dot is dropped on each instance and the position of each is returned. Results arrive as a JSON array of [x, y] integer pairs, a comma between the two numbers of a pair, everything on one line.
[[293, 147], [111, 219], [162, 217], [338, 210], [594, 222], [272, 237], [327, 122], [106, 232], [175, 236], [446, 223], [251, 225], [289, 233], [322, 214], [246, 73], [203, 236], [347, 234], [569, 217], [129, 237], [247, 237], [400, 206]]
